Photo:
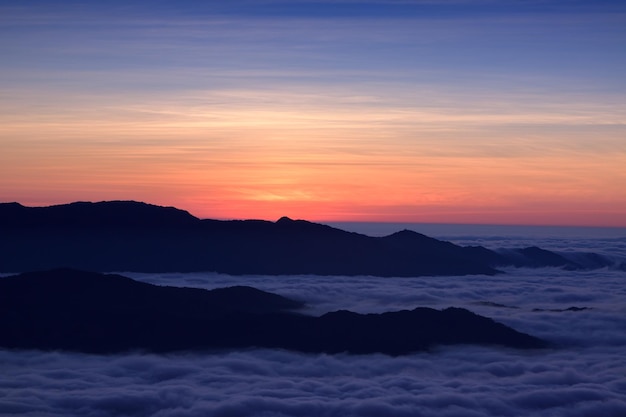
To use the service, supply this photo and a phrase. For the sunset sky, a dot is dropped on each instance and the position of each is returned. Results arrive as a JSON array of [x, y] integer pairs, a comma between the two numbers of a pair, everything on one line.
[[452, 111]]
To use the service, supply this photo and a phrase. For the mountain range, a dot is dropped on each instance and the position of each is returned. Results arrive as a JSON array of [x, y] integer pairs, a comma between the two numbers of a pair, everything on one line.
[[133, 236], [65, 309]]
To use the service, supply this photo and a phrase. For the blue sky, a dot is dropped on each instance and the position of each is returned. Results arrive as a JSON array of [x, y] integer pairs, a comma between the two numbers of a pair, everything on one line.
[[245, 107]]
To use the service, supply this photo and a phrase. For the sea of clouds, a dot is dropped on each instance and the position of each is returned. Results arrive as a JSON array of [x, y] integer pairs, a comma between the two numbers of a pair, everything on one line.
[[583, 374]]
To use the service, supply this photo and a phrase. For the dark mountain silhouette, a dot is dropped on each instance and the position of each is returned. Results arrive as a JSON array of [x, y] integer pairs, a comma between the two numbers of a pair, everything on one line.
[[90, 312], [132, 236]]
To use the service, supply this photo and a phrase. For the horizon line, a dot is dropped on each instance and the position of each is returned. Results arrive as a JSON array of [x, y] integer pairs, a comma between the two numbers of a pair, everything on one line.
[[335, 221]]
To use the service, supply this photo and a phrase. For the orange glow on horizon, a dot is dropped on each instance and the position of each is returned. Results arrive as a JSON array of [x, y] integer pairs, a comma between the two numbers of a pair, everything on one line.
[[315, 160], [363, 117]]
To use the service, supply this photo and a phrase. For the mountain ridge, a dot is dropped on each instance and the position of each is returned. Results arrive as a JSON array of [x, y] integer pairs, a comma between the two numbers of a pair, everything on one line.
[[66, 309], [140, 237]]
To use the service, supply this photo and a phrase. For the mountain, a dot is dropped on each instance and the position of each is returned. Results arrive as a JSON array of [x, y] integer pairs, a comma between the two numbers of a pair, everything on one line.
[[66, 309], [133, 236]]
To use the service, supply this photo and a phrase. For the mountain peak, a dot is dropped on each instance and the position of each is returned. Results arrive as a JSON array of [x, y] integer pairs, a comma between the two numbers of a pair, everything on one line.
[[284, 220]]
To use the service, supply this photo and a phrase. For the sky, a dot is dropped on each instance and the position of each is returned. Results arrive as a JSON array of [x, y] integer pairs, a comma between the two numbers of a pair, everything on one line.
[[450, 111]]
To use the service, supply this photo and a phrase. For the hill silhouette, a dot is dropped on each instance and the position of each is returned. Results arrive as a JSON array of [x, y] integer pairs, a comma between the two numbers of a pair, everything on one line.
[[66, 309], [133, 236]]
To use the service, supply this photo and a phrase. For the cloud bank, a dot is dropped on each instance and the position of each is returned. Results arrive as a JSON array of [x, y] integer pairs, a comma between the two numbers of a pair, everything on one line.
[[450, 382], [583, 375]]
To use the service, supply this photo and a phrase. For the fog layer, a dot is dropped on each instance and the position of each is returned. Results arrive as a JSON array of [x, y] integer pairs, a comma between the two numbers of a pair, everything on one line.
[[582, 313]]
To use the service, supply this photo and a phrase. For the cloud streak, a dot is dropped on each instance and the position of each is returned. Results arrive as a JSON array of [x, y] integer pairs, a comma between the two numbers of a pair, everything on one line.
[[212, 108]]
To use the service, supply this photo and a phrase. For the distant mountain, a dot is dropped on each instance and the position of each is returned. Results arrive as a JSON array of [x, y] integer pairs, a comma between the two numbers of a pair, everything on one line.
[[72, 310], [133, 236]]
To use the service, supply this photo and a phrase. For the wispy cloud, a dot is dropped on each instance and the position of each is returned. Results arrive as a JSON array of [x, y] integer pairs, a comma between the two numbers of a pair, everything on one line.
[[206, 100]]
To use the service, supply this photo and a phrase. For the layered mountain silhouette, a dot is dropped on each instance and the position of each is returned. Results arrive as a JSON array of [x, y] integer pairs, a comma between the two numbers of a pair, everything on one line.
[[65, 309], [133, 236]]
